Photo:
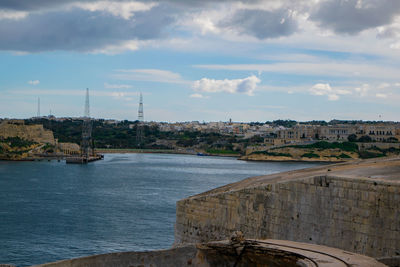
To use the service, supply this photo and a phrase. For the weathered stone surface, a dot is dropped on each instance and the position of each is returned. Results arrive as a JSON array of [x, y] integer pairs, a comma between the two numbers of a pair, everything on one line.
[[225, 253], [28, 132], [183, 256], [321, 206]]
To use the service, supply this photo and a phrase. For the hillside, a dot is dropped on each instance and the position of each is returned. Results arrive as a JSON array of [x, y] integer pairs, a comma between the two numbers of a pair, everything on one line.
[[19, 141], [321, 151]]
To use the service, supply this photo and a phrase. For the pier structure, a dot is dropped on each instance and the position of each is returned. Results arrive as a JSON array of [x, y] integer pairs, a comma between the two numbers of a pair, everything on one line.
[[87, 151]]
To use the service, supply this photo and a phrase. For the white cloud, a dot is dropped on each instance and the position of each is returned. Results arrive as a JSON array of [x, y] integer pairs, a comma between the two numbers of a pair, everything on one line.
[[244, 86], [14, 15], [380, 90], [149, 75], [34, 82], [343, 92], [117, 86], [321, 89], [383, 85], [196, 96], [363, 90], [122, 96], [333, 97], [333, 69], [203, 22], [120, 9], [325, 89], [124, 46], [380, 95]]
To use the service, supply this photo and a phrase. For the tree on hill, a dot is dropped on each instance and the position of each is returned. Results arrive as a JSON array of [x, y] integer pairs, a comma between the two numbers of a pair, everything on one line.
[[285, 123], [365, 139], [352, 138]]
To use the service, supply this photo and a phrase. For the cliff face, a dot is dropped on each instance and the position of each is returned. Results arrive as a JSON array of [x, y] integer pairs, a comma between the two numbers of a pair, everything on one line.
[[337, 206], [34, 133]]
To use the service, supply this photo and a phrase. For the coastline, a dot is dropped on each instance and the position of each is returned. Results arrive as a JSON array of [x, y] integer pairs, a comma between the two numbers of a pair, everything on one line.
[[158, 151], [123, 151], [183, 152], [179, 152], [293, 160], [138, 151]]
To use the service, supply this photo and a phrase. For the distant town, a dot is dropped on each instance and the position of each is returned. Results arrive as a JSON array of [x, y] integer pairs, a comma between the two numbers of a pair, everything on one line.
[[279, 140]]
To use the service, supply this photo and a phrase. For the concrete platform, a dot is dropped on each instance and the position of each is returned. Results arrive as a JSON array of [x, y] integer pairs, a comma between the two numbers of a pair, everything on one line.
[[82, 160]]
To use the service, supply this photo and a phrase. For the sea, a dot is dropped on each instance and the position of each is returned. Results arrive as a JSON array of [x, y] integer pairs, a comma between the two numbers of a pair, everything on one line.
[[51, 211]]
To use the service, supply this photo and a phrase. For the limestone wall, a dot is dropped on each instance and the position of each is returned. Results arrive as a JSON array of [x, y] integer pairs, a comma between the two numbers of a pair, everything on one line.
[[29, 132], [69, 148], [172, 257], [354, 214], [240, 253]]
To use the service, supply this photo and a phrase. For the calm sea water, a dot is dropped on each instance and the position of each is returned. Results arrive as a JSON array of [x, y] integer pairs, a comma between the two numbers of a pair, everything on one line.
[[51, 211]]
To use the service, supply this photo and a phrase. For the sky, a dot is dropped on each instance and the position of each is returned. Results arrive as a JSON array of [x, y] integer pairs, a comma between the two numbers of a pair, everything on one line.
[[201, 60]]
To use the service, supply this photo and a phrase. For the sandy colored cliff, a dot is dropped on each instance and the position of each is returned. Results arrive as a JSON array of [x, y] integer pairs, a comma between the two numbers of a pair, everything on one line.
[[36, 133]]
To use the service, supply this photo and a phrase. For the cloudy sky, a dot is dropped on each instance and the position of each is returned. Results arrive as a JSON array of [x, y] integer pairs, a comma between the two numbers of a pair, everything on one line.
[[249, 60]]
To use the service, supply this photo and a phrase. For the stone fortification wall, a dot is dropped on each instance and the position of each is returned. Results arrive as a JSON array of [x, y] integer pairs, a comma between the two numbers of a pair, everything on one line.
[[355, 214], [172, 257], [69, 148], [29, 132], [237, 252]]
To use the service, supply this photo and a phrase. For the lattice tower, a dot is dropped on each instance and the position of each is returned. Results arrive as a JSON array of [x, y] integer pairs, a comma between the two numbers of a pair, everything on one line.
[[139, 125], [86, 148]]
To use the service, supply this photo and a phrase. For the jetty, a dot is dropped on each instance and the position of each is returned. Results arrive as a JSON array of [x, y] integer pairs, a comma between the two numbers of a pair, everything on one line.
[[83, 160]]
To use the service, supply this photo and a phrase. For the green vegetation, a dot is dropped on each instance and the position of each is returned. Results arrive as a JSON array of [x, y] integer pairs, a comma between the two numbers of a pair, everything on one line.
[[370, 154], [392, 150], [364, 139], [314, 122], [368, 139], [345, 146], [123, 135], [18, 147], [274, 154], [310, 155], [15, 142], [220, 151], [392, 140], [48, 148], [343, 156], [284, 123], [352, 138]]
